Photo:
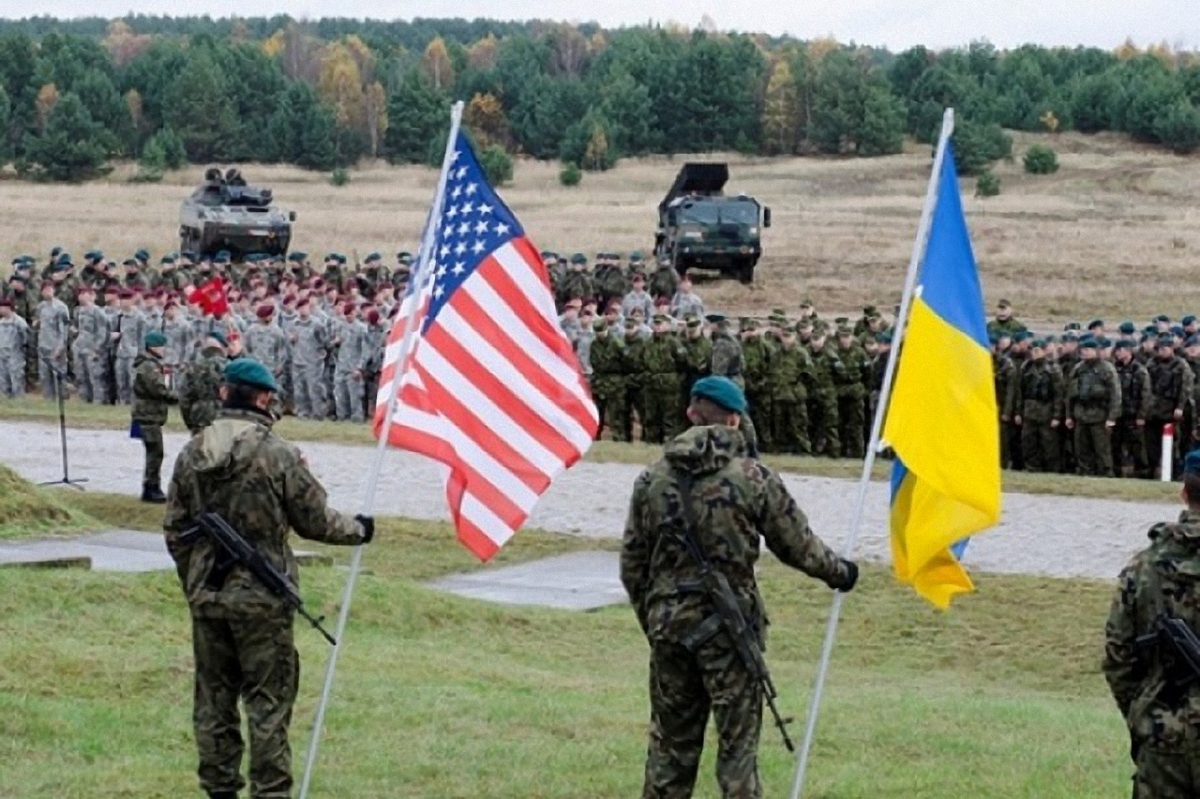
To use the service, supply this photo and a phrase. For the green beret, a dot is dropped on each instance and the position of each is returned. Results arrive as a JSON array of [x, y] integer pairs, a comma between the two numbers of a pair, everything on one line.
[[374, 257], [579, 258], [249, 372], [297, 257], [1127, 328], [720, 391], [714, 318], [155, 339], [636, 257], [219, 337], [142, 255], [1124, 345], [1087, 343]]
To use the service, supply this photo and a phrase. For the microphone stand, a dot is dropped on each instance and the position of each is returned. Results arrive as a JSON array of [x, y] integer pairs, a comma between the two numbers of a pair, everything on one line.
[[62, 431]]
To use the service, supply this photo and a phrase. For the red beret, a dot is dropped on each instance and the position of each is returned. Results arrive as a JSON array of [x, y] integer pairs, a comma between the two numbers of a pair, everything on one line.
[[264, 311], [126, 294], [373, 316], [348, 308], [302, 302], [5, 303]]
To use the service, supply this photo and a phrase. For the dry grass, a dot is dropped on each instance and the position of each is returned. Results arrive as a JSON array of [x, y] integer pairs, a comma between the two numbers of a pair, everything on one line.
[[1061, 247]]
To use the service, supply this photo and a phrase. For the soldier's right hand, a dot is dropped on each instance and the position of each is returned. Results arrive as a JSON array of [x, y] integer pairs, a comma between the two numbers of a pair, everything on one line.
[[368, 526], [851, 579]]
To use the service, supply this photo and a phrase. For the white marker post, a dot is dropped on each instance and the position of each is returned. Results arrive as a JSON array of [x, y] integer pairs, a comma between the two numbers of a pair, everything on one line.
[[910, 283], [418, 278], [1168, 452]]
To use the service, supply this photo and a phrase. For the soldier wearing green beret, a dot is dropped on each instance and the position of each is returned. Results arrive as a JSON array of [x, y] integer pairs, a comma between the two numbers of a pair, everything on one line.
[[151, 398], [823, 423], [1129, 434], [708, 485], [242, 633], [1093, 406], [757, 356], [1037, 404], [851, 381]]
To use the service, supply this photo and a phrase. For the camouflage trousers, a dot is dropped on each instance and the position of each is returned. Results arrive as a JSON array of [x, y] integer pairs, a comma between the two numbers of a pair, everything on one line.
[[152, 440], [790, 422], [254, 660], [308, 390], [1039, 447], [852, 422], [348, 396], [685, 687], [12, 373], [1129, 440], [823, 423], [1167, 774], [759, 401], [1093, 449], [52, 374], [661, 401], [91, 376], [124, 377], [608, 391]]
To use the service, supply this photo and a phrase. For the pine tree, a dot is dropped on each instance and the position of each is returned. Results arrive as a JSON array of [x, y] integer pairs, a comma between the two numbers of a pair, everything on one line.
[[71, 147], [780, 111], [416, 114], [6, 149], [199, 110]]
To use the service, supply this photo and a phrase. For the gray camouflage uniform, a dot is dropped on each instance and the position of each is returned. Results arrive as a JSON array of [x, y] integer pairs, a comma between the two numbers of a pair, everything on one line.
[[14, 335], [91, 353], [54, 328]]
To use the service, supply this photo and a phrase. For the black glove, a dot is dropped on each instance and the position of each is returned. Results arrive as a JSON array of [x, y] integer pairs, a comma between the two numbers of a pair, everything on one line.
[[368, 526], [851, 576]]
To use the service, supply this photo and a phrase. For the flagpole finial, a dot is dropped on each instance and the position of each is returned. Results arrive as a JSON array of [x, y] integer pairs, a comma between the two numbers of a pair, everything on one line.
[[948, 122]]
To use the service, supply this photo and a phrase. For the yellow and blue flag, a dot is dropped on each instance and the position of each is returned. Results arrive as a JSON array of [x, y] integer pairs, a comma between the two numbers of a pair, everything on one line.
[[942, 419]]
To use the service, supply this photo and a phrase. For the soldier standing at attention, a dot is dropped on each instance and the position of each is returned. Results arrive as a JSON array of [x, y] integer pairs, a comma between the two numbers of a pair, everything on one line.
[[200, 400], [151, 398], [1037, 398], [53, 326], [731, 500], [241, 632], [1129, 434], [1094, 404], [1154, 689], [14, 333], [1170, 392]]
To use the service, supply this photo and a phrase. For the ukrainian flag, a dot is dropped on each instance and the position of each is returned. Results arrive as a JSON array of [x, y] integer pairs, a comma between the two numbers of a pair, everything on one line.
[[942, 419]]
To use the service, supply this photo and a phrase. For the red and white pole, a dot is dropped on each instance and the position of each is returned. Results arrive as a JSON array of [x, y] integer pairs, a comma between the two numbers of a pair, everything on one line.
[[1168, 451]]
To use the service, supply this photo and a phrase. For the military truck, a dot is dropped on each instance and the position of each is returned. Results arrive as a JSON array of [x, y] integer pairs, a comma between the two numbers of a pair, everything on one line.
[[700, 227], [226, 214]]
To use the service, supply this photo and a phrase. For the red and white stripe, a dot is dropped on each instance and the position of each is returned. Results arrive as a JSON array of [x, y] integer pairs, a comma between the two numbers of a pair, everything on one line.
[[493, 391]]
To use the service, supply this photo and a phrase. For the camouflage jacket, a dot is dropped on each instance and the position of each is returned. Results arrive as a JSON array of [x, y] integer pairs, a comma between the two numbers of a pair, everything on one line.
[[605, 356], [663, 282], [793, 372], [14, 333], [1170, 387], [757, 354], [151, 397], [1094, 392], [698, 353], [200, 401], [727, 357], [1164, 578], [1037, 394], [262, 487], [735, 500], [1135, 389]]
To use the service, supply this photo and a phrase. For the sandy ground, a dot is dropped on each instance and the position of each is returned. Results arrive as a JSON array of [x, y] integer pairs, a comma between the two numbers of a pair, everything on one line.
[[1057, 536]]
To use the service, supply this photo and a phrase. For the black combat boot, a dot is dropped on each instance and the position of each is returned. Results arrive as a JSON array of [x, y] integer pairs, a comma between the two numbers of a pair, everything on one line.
[[153, 494]]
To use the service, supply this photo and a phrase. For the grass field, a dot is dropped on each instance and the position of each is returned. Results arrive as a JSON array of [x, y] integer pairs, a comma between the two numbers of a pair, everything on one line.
[[1113, 233], [443, 697], [82, 415]]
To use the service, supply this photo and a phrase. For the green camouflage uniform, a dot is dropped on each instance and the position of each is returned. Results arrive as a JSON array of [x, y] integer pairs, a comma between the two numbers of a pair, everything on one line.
[[789, 392], [851, 384], [200, 401], [823, 403], [635, 380], [1128, 436], [757, 355], [608, 384], [662, 358], [1094, 398], [151, 398], [1038, 396], [1004, 374], [1160, 713], [735, 499], [1170, 392], [728, 360], [697, 361], [241, 632]]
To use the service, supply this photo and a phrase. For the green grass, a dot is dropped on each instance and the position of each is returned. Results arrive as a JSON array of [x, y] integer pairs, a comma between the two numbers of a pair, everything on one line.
[[26, 510], [108, 417], [444, 697]]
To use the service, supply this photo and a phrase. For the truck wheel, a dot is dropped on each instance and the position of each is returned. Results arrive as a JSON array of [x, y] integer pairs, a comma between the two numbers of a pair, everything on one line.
[[745, 273]]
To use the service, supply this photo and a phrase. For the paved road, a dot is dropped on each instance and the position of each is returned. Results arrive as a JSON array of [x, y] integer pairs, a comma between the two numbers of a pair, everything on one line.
[[1057, 536]]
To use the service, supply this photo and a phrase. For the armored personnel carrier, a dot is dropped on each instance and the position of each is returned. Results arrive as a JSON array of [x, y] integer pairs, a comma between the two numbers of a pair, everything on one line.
[[700, 227], [226, 214]]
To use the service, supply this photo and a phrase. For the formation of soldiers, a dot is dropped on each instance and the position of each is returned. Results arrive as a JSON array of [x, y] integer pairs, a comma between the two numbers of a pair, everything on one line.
[[1094, 403], [81, 329]]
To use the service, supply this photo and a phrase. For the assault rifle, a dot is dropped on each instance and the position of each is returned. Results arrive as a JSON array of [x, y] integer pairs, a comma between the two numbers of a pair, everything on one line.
[[234, 550], [729, 612], [1178, 633]]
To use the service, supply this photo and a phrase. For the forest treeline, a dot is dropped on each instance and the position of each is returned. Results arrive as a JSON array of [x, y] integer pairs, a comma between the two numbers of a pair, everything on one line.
[[75, 94]]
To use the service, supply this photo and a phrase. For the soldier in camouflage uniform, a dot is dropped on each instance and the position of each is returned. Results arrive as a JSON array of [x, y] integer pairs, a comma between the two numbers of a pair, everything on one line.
[[851, 384], [1154, 689], [151, 398], [54, 327], [1128, 438], [662, 359], [577, 282], [608, 380], [350, 366], [128, 331], [1093, 405], [664, 280], [14, 333], [242, 633], [757, 354], [728, 360], [1037, 402], [694, 667], [789, 392], [266, 343], [90, 351], [1004, 372], [1170, 393], [309, 344], [696, 363], [822, 398], [200, 400], [634, 369]]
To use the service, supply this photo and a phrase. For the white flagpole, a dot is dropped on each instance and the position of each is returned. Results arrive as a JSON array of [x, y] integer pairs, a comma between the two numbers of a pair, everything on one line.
[[910, 282], [418, 282]]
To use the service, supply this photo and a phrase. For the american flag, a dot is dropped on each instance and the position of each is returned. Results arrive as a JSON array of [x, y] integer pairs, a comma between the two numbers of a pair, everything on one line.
[[491, 387]]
